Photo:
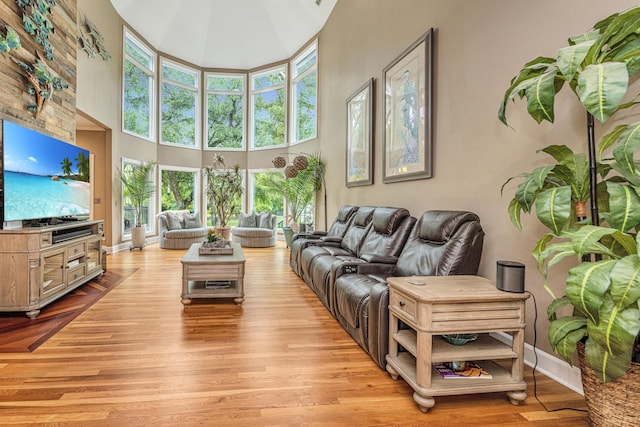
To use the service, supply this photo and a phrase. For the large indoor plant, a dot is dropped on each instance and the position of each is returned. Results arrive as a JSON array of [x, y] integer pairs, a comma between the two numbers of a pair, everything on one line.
[[224, 191], [604, 288], [299, 190], [137, 190]]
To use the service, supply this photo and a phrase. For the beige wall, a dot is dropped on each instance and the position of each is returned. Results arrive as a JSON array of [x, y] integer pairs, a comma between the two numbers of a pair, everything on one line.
[[479, 46]]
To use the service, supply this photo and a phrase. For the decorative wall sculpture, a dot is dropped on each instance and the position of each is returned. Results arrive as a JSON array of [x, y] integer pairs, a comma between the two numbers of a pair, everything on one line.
[[91, 40], [35, 21], [42, 81], [9, 42]]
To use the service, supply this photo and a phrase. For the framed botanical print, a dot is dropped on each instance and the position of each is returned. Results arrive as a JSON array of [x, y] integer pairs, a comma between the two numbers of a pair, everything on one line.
[[408, 113], [359, 168]]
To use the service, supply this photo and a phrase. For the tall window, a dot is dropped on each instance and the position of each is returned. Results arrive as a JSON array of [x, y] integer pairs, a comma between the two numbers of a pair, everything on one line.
[[209, 208], [304, 95], [268, 107], [138, 98], [180, 102], [179, 188], [128, 209], [225, 111], [266, 193]]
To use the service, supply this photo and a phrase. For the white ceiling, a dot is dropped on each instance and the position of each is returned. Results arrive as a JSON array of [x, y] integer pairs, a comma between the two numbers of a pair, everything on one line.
[[240, 34]]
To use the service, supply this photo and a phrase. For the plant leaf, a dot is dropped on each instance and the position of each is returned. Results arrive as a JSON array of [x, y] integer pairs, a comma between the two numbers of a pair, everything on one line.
[[570, 58], [606, 366], [530, 70], [541, 95], [602, 87], [564, 334], [587, 284], [553, 208], [624, 206], [627, 144], [556, 305]]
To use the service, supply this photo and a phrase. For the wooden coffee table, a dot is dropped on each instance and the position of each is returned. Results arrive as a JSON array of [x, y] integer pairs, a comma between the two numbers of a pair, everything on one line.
[[213, 276]]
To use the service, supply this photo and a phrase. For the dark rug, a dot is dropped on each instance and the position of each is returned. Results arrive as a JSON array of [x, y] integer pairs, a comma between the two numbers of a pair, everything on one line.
[[20, 334]]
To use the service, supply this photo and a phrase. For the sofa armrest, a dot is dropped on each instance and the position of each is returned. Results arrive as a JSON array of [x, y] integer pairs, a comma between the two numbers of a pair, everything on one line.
[[331, 239], [379, 323], [381, 259], [376, 269]]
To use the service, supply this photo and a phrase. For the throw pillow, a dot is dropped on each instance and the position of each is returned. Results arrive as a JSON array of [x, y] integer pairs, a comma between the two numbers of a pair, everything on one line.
[[174, 221], [192, 220], [247, 220], [164, 220], [264, 220]]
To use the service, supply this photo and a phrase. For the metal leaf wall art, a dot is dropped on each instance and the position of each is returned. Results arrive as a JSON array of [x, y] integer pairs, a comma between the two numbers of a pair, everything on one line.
[[35, 21]]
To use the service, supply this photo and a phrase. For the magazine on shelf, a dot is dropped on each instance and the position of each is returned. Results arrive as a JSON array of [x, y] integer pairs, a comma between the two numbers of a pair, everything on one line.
[[473, 370]]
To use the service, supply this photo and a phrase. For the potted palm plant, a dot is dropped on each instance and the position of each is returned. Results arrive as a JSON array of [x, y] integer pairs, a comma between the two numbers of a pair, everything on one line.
[[137, 190], [224, 191], [603, 290]]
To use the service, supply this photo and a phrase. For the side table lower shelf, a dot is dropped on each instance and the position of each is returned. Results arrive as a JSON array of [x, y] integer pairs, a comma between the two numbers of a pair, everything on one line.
[[404, 365]]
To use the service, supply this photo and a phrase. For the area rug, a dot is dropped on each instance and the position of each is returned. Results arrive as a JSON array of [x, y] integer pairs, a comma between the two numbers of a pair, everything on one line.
[[20, 334]]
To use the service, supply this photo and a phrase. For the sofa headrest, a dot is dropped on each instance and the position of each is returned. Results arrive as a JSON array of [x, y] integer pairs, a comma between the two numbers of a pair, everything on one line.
[[364, 216], [345, 213], [439, 226], [387, 220]]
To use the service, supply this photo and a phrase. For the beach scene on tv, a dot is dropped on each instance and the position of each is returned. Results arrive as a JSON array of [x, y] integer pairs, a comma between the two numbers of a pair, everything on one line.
[[43, 176]]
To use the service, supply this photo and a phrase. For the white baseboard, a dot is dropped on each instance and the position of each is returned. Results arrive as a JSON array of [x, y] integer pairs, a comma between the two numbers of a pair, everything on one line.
[[125, 246], [549, 365]]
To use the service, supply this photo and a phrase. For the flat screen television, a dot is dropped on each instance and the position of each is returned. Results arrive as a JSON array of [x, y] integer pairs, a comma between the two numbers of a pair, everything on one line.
[[42, 177]]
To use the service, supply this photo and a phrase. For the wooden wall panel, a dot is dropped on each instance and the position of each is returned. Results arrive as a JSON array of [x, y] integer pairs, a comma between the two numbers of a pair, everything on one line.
[[59, 117]]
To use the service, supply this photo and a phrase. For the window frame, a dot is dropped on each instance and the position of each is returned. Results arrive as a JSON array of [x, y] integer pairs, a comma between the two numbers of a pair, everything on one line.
[[253, 92], [129, 36], [197, 90], [205, 113], [297, 78], [197, 184], [150, 226]]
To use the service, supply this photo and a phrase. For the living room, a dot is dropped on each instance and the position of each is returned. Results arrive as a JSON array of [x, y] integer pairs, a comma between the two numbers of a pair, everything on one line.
[[478, 48]]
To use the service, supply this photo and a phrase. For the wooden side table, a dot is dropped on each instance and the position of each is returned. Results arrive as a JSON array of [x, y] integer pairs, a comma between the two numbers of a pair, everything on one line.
[[437, 305]]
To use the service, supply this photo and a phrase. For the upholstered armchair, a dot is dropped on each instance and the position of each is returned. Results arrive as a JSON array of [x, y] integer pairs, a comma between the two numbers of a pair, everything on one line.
[[256, 230]]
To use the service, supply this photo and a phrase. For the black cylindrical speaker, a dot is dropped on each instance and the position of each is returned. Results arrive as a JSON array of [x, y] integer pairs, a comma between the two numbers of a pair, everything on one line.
[[510, 276]]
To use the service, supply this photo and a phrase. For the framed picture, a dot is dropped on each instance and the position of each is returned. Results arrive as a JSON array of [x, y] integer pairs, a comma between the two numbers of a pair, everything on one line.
[[360, 136], [408, 113]]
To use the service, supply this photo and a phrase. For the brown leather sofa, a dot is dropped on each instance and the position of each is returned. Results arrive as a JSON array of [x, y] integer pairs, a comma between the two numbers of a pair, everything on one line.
[[355, 289], [335, 233], [382, 242], [348, 245]]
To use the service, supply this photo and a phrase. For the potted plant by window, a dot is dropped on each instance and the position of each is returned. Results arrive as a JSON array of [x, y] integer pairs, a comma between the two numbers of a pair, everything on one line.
[[137, 190], [299, 187], [224, 191], [603, 290]]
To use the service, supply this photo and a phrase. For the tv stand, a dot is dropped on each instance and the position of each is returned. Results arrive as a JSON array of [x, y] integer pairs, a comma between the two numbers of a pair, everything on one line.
[[40, 264]]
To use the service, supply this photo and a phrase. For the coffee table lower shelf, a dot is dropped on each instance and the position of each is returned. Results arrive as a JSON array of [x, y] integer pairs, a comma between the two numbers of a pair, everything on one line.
[[212, 289]]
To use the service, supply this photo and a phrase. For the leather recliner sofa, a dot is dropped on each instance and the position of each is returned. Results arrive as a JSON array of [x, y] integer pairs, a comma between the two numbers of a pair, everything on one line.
[[334, 234], [384, 239], [439, 243]]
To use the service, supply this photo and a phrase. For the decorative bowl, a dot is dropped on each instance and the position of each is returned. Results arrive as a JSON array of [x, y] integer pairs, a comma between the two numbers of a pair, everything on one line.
[[460, 339]]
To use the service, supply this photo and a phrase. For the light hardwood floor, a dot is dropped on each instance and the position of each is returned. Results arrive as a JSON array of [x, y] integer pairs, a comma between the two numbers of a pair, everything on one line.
[[138, 357]]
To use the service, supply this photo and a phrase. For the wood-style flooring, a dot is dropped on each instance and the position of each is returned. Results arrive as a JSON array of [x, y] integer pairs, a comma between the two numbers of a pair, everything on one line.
[[137, 357]]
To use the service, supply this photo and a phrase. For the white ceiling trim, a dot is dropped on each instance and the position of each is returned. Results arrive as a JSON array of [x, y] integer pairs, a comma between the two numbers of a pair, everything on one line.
[[240, 34]]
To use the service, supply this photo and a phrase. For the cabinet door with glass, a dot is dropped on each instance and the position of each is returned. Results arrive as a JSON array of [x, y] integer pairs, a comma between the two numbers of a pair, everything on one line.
[[94, 254], [52, 264]]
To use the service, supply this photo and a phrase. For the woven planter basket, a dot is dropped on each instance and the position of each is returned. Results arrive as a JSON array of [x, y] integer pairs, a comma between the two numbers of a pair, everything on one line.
[[616, 403]]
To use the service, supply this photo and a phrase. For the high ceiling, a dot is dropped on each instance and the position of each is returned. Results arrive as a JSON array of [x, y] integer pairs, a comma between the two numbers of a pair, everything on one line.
[[240, 34]]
